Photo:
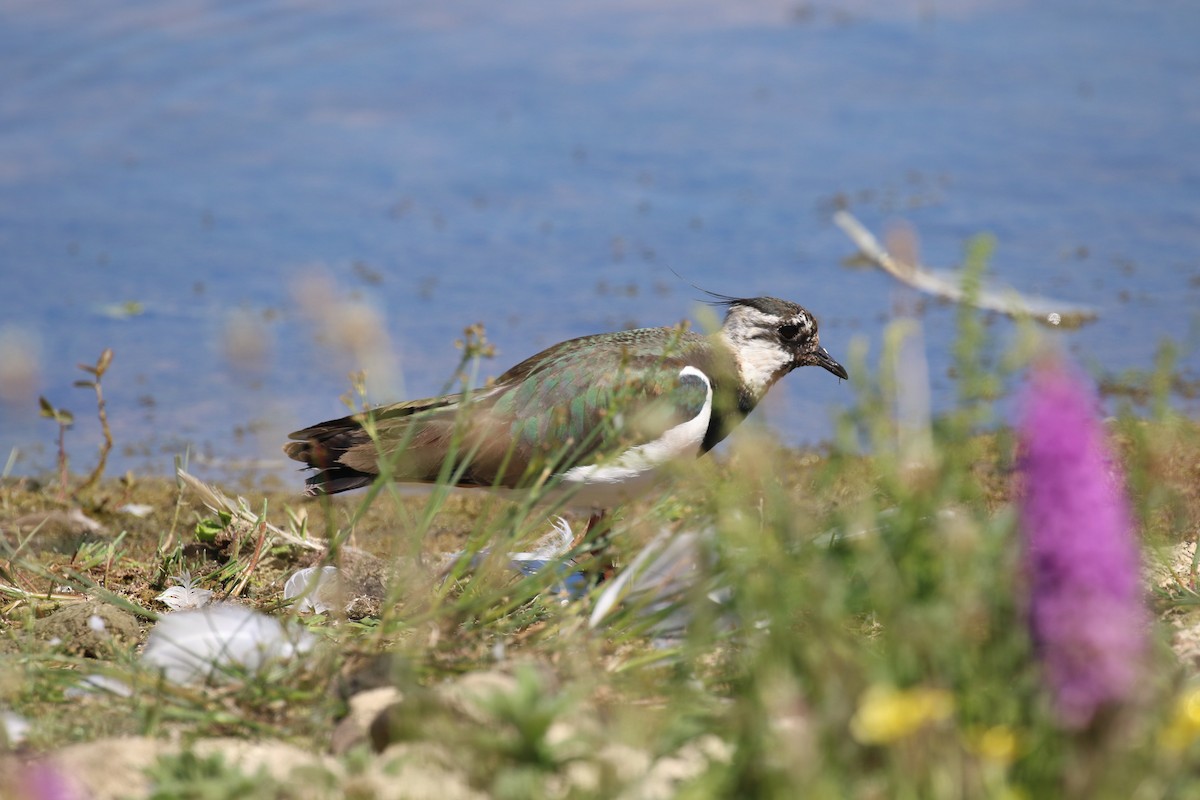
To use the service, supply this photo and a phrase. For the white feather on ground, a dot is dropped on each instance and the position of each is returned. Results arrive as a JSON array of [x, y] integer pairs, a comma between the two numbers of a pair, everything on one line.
[[314, 589], [549, 550], [659, 584], [15, 728], [139, 510], [98, 685], [183, 594], [550, 547], [220, 642]]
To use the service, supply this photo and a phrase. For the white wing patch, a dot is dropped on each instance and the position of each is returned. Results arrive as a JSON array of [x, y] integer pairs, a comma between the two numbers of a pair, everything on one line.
[[635, 470]]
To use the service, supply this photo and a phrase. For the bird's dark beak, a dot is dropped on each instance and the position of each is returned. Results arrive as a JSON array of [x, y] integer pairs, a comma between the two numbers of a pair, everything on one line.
[[823, 359]]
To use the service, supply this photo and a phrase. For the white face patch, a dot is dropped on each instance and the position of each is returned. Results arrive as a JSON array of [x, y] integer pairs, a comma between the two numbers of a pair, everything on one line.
[[761, 359], [760, 363]]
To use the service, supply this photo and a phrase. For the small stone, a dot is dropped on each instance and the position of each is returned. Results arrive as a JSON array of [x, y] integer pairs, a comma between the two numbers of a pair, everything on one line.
[[420, 771], [109, 769], [469, 693], [52, 531], [365, 707], [280, 760], [89, 628]]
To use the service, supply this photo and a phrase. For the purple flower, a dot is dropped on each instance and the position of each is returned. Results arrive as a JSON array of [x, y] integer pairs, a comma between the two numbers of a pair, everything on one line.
[[44, 782], [1086, 613]]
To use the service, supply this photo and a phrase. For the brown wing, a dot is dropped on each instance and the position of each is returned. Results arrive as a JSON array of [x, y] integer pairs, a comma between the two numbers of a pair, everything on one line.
[[572, 404]]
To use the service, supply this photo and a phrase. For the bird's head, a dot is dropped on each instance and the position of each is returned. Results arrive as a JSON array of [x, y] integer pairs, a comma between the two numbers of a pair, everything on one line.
[[769, 338]]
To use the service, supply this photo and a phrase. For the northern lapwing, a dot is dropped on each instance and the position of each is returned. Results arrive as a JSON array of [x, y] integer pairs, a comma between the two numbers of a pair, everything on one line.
[[592, 421]]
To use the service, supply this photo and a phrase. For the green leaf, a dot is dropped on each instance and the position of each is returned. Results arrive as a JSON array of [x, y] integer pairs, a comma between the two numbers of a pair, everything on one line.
[[208, 528], [103, 362]]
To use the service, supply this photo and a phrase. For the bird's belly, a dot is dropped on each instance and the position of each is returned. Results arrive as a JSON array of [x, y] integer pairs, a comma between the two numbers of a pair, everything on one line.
[[604, 486], [589, 488]]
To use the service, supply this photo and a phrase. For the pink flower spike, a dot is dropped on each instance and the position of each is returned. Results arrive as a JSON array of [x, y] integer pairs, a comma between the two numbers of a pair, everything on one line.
[[1086, 613], [41, 781]]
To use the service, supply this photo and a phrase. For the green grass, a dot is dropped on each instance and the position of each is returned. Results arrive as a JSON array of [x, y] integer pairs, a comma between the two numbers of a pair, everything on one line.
[[879, 650]]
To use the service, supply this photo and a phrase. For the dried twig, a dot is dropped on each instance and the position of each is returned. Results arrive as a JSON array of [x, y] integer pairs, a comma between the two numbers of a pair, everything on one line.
[[22, 594], [240, 510], [949, 285], [254, 559], [98, 371]]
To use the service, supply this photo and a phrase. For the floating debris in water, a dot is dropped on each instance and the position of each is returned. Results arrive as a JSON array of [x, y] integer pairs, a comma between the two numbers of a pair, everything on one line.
[[949, 285], [127, 310]]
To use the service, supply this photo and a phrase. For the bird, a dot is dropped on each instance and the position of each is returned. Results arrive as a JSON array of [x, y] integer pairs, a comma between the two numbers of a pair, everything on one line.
[[593, 422]]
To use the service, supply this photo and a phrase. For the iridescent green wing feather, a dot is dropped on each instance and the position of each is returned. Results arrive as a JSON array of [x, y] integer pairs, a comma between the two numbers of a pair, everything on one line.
[[594, 397]]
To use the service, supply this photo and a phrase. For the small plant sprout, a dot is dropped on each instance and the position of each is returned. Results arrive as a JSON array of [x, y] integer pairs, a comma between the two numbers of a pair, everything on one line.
[[97, 372], [64, 419], [475, 344]]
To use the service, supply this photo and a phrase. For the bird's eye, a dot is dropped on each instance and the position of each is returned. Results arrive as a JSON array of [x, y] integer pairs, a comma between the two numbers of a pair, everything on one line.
[[789, 332]]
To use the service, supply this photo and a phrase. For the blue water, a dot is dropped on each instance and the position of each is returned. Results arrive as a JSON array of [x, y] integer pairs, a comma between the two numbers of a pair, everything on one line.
[[539, 167]]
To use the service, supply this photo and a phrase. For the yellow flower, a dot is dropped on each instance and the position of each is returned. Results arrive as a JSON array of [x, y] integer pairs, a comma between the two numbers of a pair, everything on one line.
[[997, 744], [1184, 727], [886, 714]]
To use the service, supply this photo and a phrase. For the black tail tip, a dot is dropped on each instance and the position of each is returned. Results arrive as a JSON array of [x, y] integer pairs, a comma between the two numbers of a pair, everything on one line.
[[335, 480]]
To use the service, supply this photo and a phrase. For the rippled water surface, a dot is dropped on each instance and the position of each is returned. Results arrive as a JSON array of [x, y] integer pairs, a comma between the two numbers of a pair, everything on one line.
[[231, 194]]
